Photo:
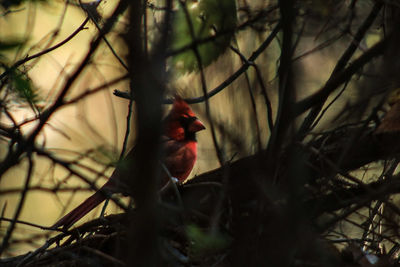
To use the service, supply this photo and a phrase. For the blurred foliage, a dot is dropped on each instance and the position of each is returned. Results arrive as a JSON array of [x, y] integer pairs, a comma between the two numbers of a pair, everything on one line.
[[203, 19], [19, 83], [203, 243], [22, 86], [321, 8], [5, 47], [10, 44]]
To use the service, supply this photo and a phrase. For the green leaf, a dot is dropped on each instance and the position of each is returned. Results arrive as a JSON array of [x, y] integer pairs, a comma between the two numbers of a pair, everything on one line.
[[207, 19], [203, 243]]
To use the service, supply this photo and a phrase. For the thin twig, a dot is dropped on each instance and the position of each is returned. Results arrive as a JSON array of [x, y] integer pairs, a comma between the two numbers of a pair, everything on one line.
[[21, 203], [252, 99], [218, 151], [229, 80], [41, 53]]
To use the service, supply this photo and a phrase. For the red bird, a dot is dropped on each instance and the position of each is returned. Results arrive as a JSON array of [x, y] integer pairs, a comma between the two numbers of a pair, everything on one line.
[[180, 148]]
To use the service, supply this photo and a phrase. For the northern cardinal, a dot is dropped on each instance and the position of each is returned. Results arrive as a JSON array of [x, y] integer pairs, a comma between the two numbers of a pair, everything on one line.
[[180, 148]]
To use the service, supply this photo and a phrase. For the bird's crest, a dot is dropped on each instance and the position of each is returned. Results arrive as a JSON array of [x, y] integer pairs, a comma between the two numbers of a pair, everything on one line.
[[180, 107]]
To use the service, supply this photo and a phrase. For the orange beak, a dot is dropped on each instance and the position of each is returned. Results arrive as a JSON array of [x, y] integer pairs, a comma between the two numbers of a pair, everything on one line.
[[196, 126]]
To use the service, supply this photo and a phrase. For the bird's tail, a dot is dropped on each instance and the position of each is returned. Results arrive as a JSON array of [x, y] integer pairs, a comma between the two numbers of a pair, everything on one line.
[[80, 211]]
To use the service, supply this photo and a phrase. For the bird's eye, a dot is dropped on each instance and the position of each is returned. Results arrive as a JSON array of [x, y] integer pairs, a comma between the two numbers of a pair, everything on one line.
[[186, 119]]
